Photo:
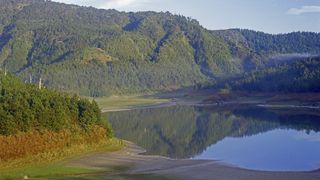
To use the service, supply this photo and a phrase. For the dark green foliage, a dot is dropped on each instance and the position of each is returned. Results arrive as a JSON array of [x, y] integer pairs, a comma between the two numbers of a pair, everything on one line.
[[300, 76], [24, 108], [88, 116], [297, 42], [101, 52]]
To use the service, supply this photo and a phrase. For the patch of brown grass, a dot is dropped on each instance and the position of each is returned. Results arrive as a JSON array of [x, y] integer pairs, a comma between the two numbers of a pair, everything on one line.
[[32, 143]]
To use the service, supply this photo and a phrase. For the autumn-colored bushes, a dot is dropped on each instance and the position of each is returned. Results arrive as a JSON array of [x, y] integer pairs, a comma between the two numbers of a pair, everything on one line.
[[32, 143]]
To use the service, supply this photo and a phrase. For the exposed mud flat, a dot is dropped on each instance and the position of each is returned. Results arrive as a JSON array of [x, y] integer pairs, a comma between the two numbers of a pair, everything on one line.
[[135, 163]]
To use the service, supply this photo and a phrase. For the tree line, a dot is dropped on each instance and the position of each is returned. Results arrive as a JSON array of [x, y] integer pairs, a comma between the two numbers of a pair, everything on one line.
[[26, 108]]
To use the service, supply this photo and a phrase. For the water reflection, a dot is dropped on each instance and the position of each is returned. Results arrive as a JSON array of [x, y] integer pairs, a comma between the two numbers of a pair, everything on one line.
[[215, 133]]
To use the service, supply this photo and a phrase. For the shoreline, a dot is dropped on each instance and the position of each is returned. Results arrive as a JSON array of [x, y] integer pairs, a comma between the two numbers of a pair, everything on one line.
[[200, 104], [145, 106], [276, 100], [287, 106], [137, 164]]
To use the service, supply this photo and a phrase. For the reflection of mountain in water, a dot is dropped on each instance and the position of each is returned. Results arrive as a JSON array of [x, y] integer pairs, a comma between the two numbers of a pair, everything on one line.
[[183, 132]]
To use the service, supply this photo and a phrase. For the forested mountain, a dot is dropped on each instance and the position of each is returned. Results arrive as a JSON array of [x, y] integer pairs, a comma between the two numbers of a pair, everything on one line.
[[99, 52], [300, 76], [260, 50]]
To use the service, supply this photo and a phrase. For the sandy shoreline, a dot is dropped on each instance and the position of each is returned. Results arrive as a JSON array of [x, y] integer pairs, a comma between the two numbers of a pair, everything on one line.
[[181, 169]]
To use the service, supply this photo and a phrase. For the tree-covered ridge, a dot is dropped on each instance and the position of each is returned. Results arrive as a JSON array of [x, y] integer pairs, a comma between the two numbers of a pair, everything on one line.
[[300, 76], [99, 52], [143, 50], [26, 108], [255, 49]]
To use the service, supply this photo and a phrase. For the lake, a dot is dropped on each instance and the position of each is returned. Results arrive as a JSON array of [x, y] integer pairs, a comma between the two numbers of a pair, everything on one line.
[[245, 136]]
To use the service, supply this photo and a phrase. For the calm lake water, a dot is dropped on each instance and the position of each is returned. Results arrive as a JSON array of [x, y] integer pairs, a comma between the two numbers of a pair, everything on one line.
[[247, 137]]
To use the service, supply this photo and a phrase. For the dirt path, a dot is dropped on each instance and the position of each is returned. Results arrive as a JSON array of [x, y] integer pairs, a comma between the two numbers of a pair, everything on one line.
[[181, 169]]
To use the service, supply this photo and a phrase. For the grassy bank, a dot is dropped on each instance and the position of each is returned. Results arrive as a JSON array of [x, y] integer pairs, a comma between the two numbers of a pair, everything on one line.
[[51, 163], [40, 127], [121, 102], [42, 154]]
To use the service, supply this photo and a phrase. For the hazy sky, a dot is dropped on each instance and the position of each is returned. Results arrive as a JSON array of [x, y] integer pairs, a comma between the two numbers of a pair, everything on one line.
[[273, 16]]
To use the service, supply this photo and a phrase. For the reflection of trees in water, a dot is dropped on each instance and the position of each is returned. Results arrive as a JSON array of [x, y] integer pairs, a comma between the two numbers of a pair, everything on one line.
[[182, 132], [298, 119]]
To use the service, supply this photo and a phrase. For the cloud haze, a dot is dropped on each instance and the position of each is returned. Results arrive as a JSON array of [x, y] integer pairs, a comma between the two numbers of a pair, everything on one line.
[[304, 9]]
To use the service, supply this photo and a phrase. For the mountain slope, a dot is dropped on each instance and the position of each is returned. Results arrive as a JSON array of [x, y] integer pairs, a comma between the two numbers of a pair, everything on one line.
[[300, 76], [100, 52], [260, 50]]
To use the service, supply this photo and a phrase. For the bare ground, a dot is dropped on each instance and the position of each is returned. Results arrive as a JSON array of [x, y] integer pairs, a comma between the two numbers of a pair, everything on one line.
[[181, 169]]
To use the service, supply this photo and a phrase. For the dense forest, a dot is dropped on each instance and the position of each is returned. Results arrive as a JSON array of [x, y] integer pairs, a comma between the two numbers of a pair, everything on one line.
[[98, 52], [24, 108], [300, 76], [34, 120], [260, 50]]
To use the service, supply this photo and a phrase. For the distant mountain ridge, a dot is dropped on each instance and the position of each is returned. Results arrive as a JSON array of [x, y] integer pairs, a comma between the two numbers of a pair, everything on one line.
[[302, 75], [99, 52]]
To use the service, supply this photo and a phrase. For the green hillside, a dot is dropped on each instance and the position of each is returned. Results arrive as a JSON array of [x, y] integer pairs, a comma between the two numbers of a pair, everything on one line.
[[300, 76], [101, 52], [258, 50]]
